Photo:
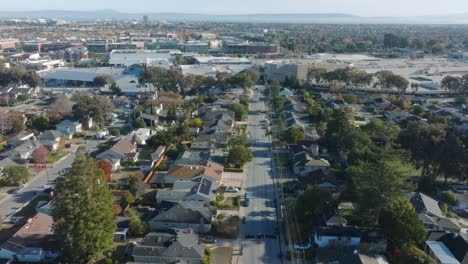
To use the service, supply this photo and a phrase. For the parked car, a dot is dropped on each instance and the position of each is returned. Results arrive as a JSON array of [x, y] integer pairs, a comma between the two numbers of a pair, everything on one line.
[[208, 239], [231, 189], [302, 246]]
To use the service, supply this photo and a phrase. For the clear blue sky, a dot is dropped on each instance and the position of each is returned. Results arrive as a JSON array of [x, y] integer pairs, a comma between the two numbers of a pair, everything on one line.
[[356, 7]]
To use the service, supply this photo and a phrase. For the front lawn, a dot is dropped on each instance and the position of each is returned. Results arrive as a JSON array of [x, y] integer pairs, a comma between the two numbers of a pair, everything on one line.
[[57, 155]]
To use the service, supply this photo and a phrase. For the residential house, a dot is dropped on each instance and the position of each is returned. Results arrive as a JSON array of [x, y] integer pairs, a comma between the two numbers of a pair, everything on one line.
[[430, 214], [51, 138], [349, 236], [306, 166], [201, 189], [438, 251], [172, 246], [45, 207], [193, 157], [32, 243], [150, 159], [21, 152], [192, 172], [141, 135], [20, 138], [344, 236], [69, 127], [349, 255], [123, 149], [447, 247], [185, 214]]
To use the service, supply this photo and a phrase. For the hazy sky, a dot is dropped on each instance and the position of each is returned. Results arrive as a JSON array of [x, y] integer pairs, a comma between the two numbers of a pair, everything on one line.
[[356, 7]]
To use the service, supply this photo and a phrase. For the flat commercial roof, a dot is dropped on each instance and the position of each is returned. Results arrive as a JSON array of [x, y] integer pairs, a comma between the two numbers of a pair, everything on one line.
[[81, 74]]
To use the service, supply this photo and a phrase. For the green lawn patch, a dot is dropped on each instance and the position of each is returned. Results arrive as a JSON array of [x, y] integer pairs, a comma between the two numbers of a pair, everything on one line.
[[56, 155]]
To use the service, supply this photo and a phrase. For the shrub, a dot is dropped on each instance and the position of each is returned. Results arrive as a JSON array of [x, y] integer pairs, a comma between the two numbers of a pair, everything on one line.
[[79, 135], [449, 197], [115, 132]]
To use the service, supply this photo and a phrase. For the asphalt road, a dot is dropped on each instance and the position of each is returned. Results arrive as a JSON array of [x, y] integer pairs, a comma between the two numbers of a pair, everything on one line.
[[13, 202], [260, 214]]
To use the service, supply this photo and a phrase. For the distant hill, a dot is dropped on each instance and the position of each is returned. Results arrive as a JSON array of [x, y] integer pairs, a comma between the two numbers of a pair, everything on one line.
[[324, 18]]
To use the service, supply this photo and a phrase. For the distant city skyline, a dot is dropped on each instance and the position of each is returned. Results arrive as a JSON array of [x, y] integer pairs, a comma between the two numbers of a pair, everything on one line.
[[355, 7]]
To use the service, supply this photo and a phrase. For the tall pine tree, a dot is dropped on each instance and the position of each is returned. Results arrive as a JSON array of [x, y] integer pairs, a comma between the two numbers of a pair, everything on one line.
[[83, 212]]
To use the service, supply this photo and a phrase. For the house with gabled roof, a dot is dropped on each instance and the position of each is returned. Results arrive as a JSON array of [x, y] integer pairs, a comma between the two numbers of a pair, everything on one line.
[[123, 149], [68, 126], [172, 246], [33, 242], [184, 214], [201, 189], [429, 213]]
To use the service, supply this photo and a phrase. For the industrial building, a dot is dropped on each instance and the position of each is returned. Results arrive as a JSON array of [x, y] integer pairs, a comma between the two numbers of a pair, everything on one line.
[[126, 58], [250, 48], [279, 70]]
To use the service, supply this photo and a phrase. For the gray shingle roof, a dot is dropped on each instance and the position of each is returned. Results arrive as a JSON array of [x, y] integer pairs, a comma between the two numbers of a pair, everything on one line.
[[173, 243], [425, 204]]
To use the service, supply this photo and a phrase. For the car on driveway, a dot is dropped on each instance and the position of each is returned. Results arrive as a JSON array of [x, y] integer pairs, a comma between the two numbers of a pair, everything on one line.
[[208, 239], [231, 189], [302, 246]]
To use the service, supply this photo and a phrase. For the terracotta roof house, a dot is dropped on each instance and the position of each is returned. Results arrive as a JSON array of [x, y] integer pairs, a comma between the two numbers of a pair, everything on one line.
[[192, 172], [123, 149], [30, 243]]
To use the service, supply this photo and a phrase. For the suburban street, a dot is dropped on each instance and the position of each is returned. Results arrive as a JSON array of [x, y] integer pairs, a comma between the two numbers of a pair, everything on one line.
[[13, 202], [261, 213]]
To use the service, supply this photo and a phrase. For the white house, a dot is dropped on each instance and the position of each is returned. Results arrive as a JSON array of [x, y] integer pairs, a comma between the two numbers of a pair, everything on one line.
[[344, 236], [68, 126]]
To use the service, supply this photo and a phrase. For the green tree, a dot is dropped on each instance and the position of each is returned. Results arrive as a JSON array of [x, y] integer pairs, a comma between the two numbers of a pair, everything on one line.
[[314, 201], [100, 81], [294, 135], [128, 198], [15, 175], [139, 123], [162, 138], [239, 154], [351, 98], [136, 226], [424, 142], [240, 110], [449, 197], [98, 108], [115, 132], [40, 122], [83, 213], [197, 122], [401, 223], [376, 184]]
